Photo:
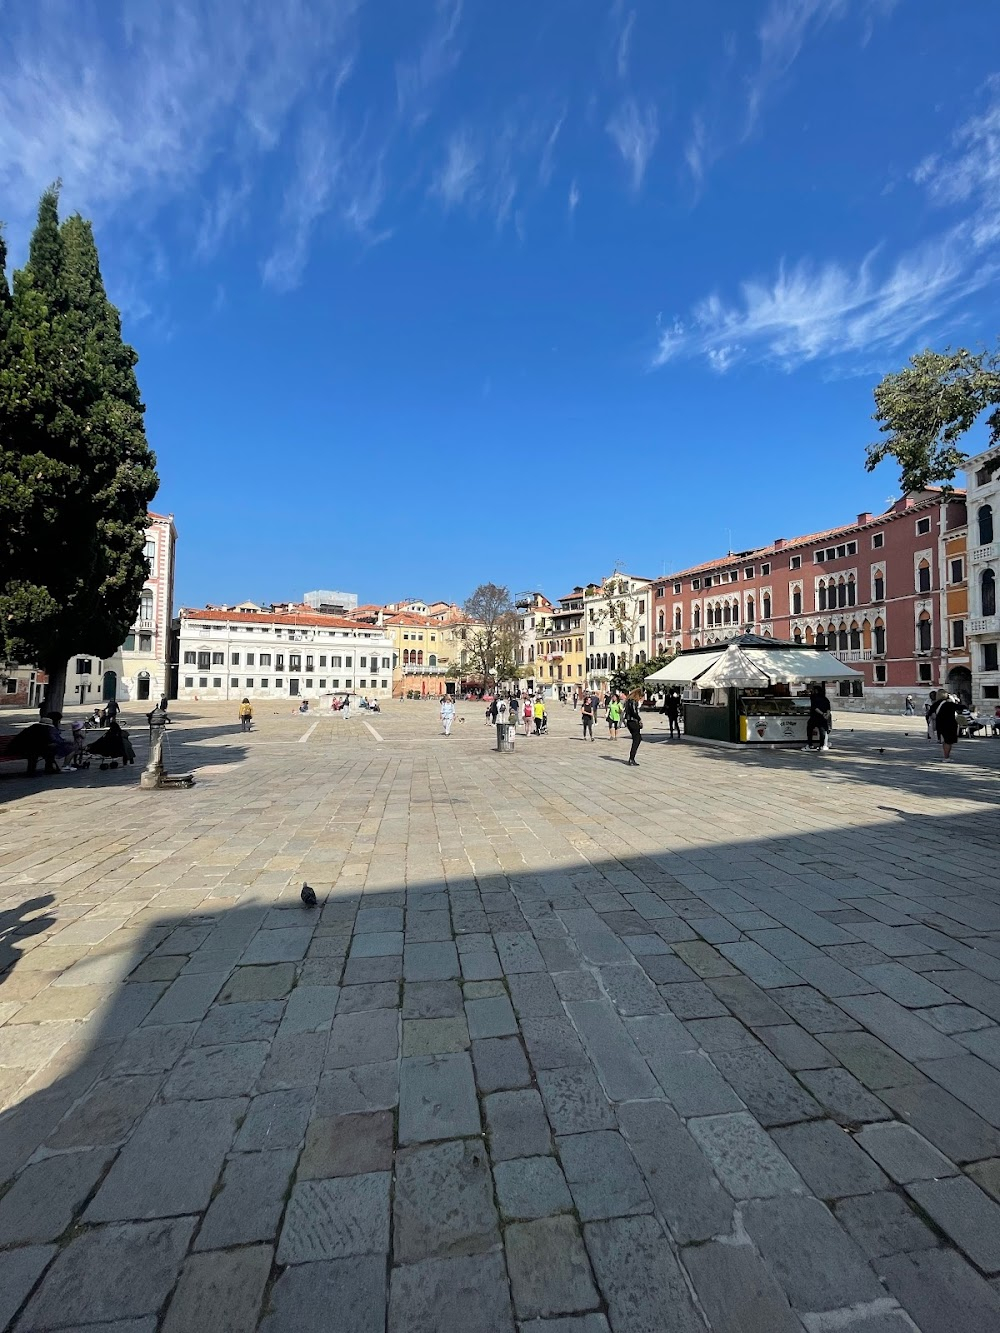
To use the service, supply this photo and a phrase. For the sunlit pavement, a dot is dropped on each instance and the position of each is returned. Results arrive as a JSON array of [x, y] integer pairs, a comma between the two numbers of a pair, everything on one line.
[[567, 1046]]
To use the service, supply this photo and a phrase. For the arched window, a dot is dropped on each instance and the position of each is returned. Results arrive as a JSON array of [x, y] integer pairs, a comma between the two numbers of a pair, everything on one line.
[[432, 660], [852, 592], [146, 605], [677, 647], [797, 636], [726, 614], [765, 606], [821, 595], [842, 640], [924, 632], [841, 592], [697, 617], [604, 661], [985, 517], [810, 637], [879, 638], [797, 602], [866, 634], [855, 634], [660, 623], [531, 652], [697, 643], [923, 577], [677, 618], [406, 657], [420, 657], [750, 610], [879, 585], [820, 638], [988, 592], [611, 661]]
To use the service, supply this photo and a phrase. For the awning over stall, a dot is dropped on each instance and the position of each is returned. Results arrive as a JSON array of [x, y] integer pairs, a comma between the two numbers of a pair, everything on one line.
[[750, 661]]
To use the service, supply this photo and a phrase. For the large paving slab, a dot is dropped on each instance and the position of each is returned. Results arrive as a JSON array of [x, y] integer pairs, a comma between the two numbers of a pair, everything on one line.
[[565, 1047]]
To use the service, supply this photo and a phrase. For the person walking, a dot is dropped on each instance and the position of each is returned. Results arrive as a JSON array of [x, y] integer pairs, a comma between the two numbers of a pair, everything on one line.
[[946, 723], [447, 713], [908, 707], [346, 710], [111, 710], [587, 714], [528, 713], [246, 715], [820, 719], [539, 712], [614, 718], [930, 709], [633, 722], [576, 700], [672, 712]]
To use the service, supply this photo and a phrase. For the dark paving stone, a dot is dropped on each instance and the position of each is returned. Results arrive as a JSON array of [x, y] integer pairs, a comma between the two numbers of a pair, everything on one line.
[[574, 1100], [437, 1097], [767, 1088], [744, 1158], [941, 1292], [640, 1278], [622, 1070], [972, 1081], [871, 1061], [304, 1295], [602, 1175], [468, 1292], [429, 999], [336, 1219], [904, 1153], [549, 1272], [684, 1188], [107, 1113], [813, 1011], [529, 1188], [552, 1042], [883, 1224], [737, 1292], [816, 1262], [829, 1160], [258, 983], [46, 1196], [795, 1048], [517, 1124], [966, 1215], [443, 1202], [747, 1001], [500, 1063], [842, 1096], [958, 1132], [220, 1291], [110, 1273], [19, 1271], [347, 1145], [693, 1000], [534, 995], [250, 1201]]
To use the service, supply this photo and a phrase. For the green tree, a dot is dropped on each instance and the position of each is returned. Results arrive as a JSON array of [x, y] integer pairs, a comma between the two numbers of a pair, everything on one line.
[[76, 473], [926, 408], [627, 679], [493, 640]]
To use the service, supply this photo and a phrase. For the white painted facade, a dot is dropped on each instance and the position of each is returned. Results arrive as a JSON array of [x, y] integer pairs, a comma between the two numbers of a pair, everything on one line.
[[280, 655], [140, 669], [616, 626], [983, 625]]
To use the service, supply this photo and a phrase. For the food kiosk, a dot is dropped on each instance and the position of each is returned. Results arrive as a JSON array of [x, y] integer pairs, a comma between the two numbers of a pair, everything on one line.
[[750, 690]]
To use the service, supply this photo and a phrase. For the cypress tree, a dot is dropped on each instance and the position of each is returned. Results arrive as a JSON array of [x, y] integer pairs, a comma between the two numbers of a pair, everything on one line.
[[76, 473]]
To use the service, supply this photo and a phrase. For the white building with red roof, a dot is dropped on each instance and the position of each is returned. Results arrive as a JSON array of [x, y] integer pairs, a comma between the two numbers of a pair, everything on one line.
[[283, 652]]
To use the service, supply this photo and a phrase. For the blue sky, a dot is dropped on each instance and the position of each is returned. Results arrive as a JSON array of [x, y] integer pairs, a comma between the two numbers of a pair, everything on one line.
[[428, 292]]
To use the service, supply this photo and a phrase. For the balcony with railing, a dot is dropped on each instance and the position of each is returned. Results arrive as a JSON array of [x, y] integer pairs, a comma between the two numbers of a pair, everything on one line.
[[852, 654], [982, 555], [983, 625]]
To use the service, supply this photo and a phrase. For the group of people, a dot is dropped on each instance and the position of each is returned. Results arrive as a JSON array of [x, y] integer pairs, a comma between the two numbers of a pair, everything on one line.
[[941, 716], [620, 710]]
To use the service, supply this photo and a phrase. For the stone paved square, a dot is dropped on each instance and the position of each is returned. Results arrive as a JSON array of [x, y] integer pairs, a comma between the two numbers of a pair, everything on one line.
[[585, 1049]]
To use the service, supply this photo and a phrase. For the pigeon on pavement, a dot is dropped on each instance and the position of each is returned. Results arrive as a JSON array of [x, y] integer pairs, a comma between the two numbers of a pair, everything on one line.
[[308, 896]]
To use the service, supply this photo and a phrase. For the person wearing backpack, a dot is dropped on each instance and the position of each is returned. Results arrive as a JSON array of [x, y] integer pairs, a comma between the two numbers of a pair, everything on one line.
[[633, 721], [246, 715]]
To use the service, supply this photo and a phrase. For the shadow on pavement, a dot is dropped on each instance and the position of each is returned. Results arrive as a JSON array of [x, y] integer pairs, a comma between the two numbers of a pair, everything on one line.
[[222, 1137]]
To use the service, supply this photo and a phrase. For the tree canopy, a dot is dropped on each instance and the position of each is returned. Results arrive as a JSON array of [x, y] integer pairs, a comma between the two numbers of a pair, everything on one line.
[[76, 473], [925, 409], [492, 645]]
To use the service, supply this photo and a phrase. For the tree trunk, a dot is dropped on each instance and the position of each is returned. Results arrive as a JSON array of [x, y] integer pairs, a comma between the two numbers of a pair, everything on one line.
[[55, 690]]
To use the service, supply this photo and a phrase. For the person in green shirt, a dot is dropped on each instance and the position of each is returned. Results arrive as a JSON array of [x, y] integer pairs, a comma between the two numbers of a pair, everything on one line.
[[614, 717]]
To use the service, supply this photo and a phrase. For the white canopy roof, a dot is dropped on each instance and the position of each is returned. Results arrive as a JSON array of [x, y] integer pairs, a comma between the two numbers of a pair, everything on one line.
[[752, 666]]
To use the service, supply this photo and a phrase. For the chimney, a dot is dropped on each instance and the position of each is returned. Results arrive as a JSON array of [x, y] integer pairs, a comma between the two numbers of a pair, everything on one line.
[[865, 518], [779, 543]]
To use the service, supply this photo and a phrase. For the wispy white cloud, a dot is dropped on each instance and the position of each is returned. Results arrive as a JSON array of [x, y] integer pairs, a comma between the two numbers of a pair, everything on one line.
[[417, 79], [634, 130], [809, 311], [625, 44], [546, 164], [781, 35], [316, 169], [573, 201], [457, 181]]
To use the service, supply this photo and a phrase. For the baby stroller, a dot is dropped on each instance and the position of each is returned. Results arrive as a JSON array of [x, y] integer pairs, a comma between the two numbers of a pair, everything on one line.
[[112, 746], [78, 757]]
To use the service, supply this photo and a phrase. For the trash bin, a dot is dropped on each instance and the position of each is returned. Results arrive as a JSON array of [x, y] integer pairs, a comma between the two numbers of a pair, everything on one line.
[[506, 732]]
